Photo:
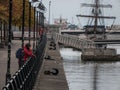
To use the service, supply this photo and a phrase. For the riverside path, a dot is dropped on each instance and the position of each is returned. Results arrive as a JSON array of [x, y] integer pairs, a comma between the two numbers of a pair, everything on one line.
[[51, 75]]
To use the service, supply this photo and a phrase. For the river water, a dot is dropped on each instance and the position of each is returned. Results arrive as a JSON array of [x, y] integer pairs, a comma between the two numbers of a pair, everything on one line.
[[90, 75]]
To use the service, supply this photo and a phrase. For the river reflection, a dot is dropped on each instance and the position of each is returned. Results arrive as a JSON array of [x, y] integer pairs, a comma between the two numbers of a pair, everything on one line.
[[90, 75]]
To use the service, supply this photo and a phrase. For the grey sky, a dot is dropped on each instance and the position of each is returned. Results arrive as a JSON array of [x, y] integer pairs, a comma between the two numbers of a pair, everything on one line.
[[70, 8]]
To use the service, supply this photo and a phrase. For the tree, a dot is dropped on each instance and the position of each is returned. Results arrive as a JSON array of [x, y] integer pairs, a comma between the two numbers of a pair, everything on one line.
[[16, 12], [4, 10]]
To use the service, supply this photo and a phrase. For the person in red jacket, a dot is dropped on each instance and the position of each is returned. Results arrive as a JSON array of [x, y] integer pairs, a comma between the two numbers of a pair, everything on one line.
[[27, 52]]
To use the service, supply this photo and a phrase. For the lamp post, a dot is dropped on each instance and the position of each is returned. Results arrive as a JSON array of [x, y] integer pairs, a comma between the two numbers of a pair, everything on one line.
[[39, 6], [42, 10], [40, 18], [49, 20], [29, 20], [23, 22], [49, 15], [37, 24], [32, 1], [8, 75], [34, 30]]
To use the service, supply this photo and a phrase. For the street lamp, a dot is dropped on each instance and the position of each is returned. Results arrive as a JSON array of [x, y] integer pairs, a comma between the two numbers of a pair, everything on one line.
[[8, 75], [49, 19], [34, 26], [49, 13], [32, 1], [37, 27], [41, 9], [34, 30], [23, 22], [38, 5], [29, 20]]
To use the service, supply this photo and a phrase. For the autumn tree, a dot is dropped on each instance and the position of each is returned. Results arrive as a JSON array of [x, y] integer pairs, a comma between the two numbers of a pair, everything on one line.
[[16, 12], [17, 7], [4, 10]]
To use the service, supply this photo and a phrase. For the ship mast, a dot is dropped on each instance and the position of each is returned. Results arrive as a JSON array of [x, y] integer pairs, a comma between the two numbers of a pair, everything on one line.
[[96, 14]]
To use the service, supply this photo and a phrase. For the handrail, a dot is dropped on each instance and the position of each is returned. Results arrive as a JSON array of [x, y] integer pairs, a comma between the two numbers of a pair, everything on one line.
[[74, 41]]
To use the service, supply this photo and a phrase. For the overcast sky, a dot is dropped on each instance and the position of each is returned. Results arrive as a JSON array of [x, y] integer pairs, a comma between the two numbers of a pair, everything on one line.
[[70, 8]]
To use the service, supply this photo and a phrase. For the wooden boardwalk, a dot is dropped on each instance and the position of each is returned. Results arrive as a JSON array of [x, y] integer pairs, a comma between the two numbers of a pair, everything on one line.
[[51, 76]]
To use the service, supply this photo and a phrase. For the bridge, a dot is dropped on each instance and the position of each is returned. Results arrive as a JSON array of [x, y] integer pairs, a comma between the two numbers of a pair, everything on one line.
[[72, 32], [91, 49], [108, 41], [82, 31], [73, 41], [76, 42]]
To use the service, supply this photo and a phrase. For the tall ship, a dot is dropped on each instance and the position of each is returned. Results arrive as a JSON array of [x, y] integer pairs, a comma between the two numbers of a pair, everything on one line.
[[95, 28]]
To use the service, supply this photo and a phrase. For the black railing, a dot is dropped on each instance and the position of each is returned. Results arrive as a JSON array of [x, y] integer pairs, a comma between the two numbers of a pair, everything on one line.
[[25, 77]]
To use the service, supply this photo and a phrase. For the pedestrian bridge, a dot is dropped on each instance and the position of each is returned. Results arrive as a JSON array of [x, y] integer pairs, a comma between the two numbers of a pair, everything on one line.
[[73, 41]]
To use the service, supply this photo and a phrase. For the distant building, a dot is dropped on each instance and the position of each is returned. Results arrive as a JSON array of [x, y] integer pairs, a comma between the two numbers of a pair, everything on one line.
[[52, 28], [61, 22]]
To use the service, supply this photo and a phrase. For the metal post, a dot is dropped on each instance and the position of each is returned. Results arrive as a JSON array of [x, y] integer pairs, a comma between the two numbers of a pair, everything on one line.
[[49, 15], [37, 29], [34, 30], [23, 23], [96, 17], [4, 30], [43, 20], [39, 23], [8, 75], [40, 20], [1, 29], [29, 21]]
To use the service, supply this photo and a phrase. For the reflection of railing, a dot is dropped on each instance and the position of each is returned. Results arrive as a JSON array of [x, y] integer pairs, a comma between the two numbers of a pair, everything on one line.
[[25, 77]]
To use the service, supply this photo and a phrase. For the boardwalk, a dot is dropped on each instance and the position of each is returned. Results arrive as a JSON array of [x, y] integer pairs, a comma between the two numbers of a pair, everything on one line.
[[50, 80]]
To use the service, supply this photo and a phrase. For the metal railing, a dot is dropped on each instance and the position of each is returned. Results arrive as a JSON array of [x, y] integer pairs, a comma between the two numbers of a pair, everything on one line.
[[25, 77], [73, 41]]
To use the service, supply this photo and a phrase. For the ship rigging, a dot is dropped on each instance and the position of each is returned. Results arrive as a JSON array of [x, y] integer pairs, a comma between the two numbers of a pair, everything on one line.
[[96, 23]]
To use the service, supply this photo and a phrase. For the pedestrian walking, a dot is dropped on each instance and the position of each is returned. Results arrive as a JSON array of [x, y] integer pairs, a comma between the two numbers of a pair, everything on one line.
[[19, 56], [28, 52], [22, 54]]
